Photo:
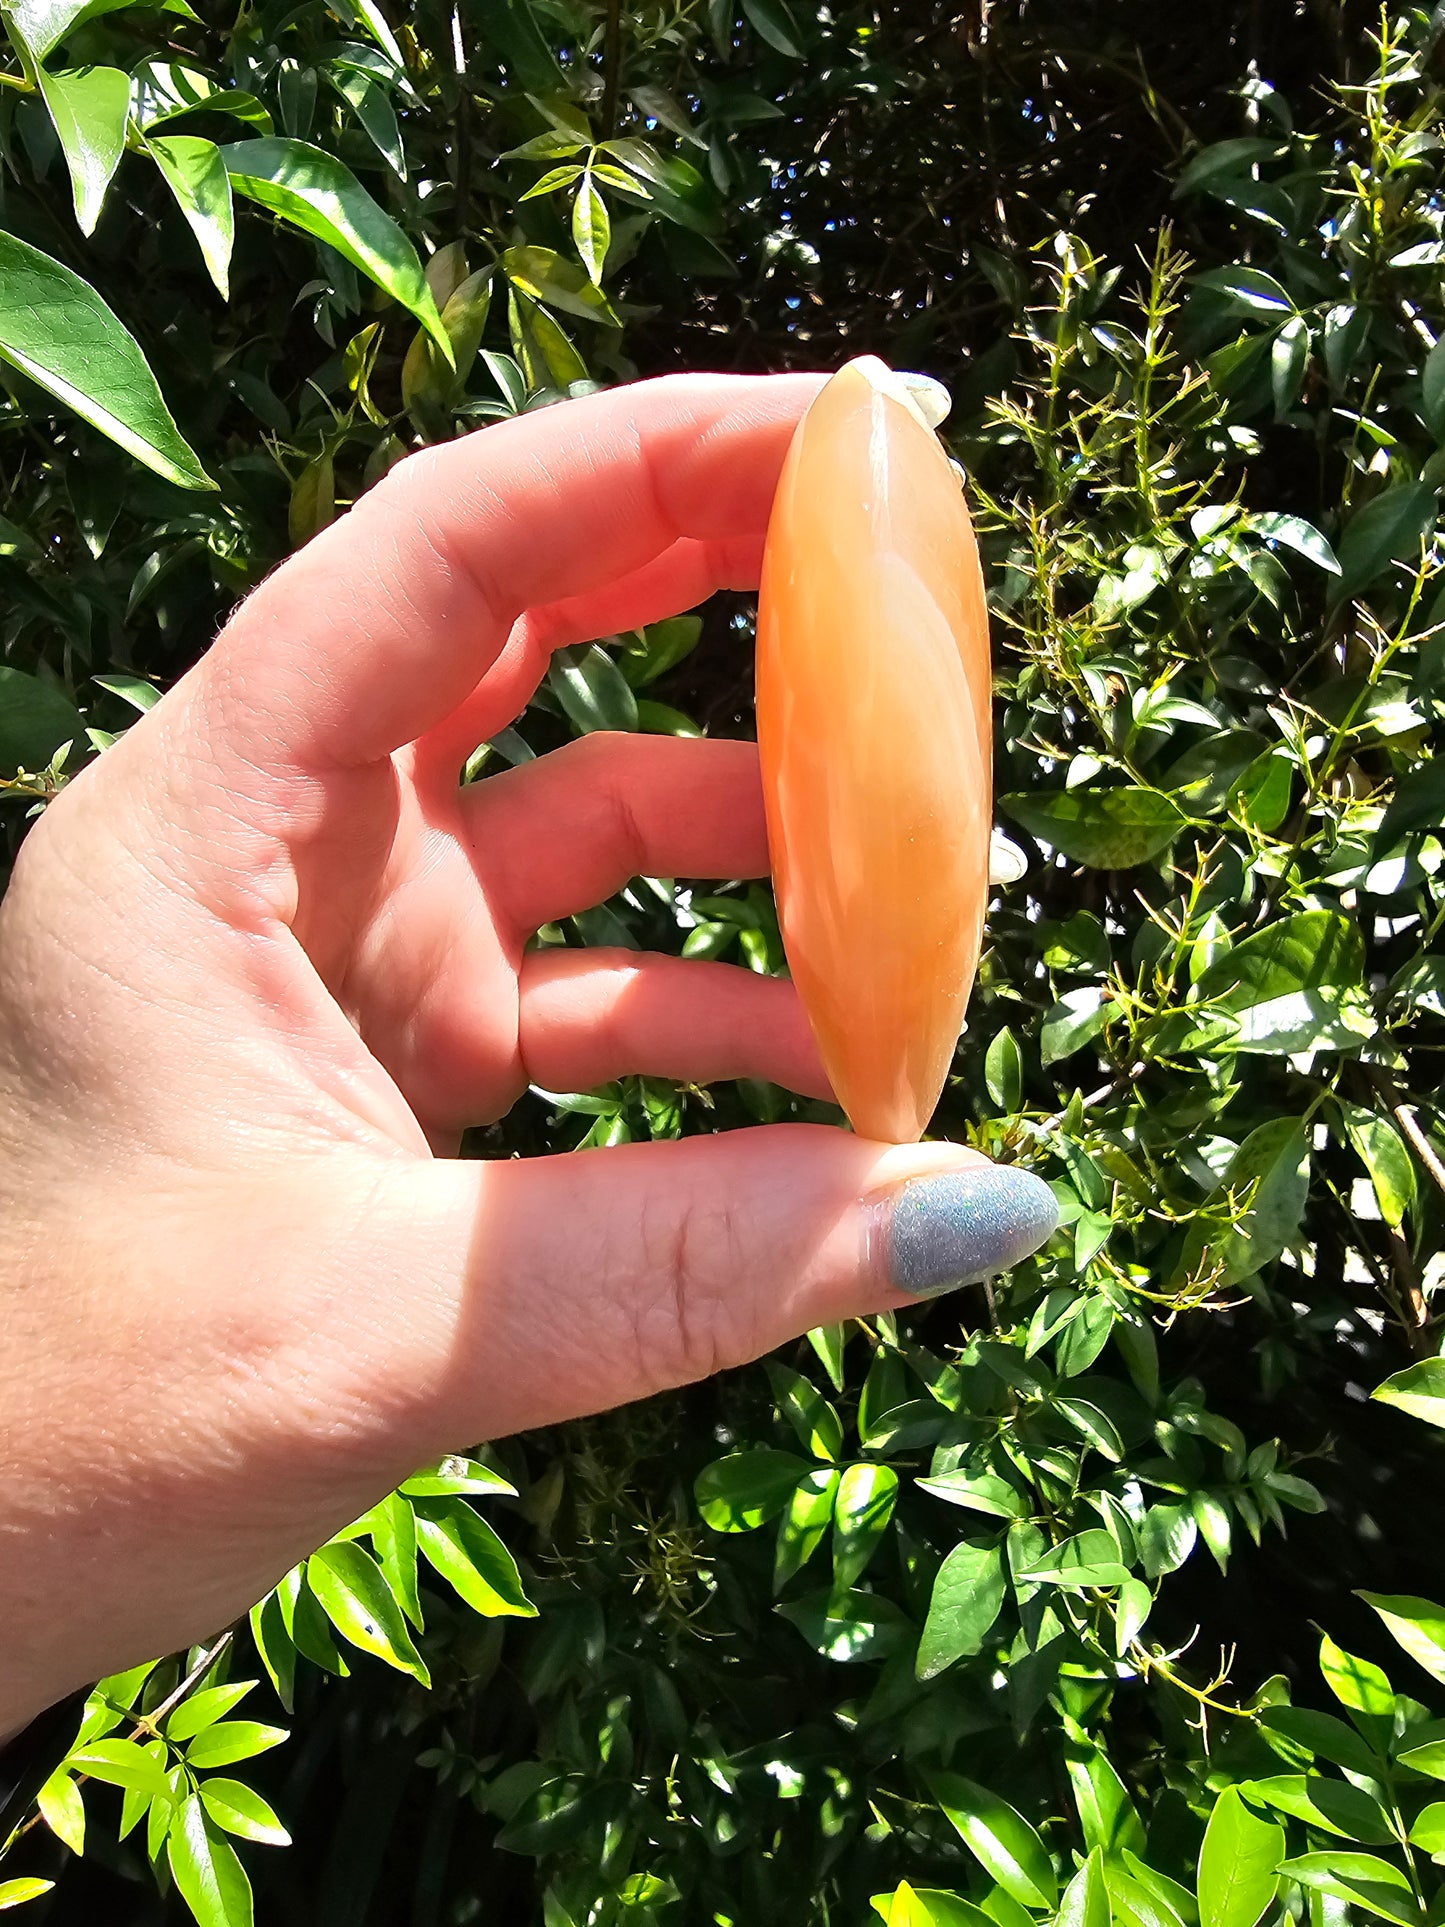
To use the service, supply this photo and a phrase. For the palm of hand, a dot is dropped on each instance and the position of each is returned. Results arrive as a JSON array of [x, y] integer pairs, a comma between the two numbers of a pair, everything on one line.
[[265, 958]]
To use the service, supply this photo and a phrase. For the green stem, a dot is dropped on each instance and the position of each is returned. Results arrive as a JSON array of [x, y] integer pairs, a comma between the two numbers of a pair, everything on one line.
[[611, 64]]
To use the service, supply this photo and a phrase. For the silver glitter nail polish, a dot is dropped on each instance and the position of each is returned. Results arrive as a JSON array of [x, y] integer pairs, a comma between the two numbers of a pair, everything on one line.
[[964, 1226]]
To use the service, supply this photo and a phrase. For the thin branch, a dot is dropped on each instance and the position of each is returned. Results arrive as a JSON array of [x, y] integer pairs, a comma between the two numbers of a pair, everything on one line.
[[147, 1722], [611, 63], [1407, 1122]]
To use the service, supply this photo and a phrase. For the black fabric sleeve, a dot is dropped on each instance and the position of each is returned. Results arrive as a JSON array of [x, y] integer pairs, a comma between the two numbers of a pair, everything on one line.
[[28, 1760]]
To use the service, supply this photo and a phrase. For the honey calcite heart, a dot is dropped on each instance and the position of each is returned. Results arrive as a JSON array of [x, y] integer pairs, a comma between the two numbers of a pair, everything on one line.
[[875, 739]]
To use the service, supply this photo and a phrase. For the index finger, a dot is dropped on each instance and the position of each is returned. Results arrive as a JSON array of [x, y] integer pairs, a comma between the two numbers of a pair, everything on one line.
[[389, 619]]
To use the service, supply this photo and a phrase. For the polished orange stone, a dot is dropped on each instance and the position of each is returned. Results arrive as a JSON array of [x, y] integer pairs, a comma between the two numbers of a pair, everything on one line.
[[875, 739]]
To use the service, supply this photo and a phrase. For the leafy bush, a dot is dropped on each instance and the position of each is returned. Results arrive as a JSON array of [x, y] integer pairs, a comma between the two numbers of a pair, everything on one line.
[[921, 1619]]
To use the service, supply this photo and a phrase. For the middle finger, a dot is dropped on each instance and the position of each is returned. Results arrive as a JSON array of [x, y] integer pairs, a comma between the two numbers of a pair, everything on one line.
[[560, 834]]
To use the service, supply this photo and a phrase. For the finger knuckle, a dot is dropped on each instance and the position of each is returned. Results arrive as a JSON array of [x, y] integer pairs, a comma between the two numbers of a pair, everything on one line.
[[689, 1318]]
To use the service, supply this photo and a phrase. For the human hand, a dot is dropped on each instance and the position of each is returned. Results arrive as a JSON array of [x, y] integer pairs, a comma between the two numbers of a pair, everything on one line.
[[264, 960]]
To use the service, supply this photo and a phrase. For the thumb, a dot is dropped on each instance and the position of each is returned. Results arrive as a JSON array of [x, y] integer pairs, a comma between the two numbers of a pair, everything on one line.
[[546, 1289]]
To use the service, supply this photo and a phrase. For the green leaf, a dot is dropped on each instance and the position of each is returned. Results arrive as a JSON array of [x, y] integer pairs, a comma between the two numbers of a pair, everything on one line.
[[209, 1877], [1298, 1493], [1382, 1151], [553, 144], [43, 24], [1418, 1390], [1417, 804], [1237, 1864], [1131, 1610], [592, 690], [89, 106], [375, 22], [456, 1475], [928, 1907], [1166, 1537], [15, 541], [1107, 1816], [1385, 530], [1143, 1898], [1432, 391], [978, 1491], [826, 1340], [651, 652], [746, 1489], [315, 192], [165, 90], [276, 1648], [1248, 289], [676, 189], [563, 364], [63, 1809], [864, 1505], [1003, 1071], [1322, 1734], [122, 1763], [203, 1709], [1085, 1901], [1428, 1759], [1083, 1559], [35, 719], [392, 1526], [847, 1627], [1428, 1830], [471, 1558], [1356, 1683], [1104, 829], [1335, 1805], [819, 1429], [1293, 532], [196, 175], [1271, 1170], [14, 1893], [1416, 1625], [1068, 1025], [1222, 157], [545, 276], [426, 380], [1359, 1878], [805, 1520], [135, 690], [1261, 797], [554, 179], [1000, 1838], [1281, 984], [313, 499], [967, 1597], [774, 22], [1211, 1515], [656, 719], [1289, 355], [56, 329], [591, 228], [510, 26], [370, 101], [239, 1809], [351, 1590], [1091, 1423], [232, 1740]]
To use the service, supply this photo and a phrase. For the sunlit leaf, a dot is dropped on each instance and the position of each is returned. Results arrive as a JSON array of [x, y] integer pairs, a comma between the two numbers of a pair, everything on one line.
[[211, 1880], [1237, 1863], [57, 330], [312, 190]]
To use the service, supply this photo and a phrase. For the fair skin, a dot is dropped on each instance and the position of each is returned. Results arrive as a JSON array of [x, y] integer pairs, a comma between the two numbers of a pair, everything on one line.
[[262, 962]]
